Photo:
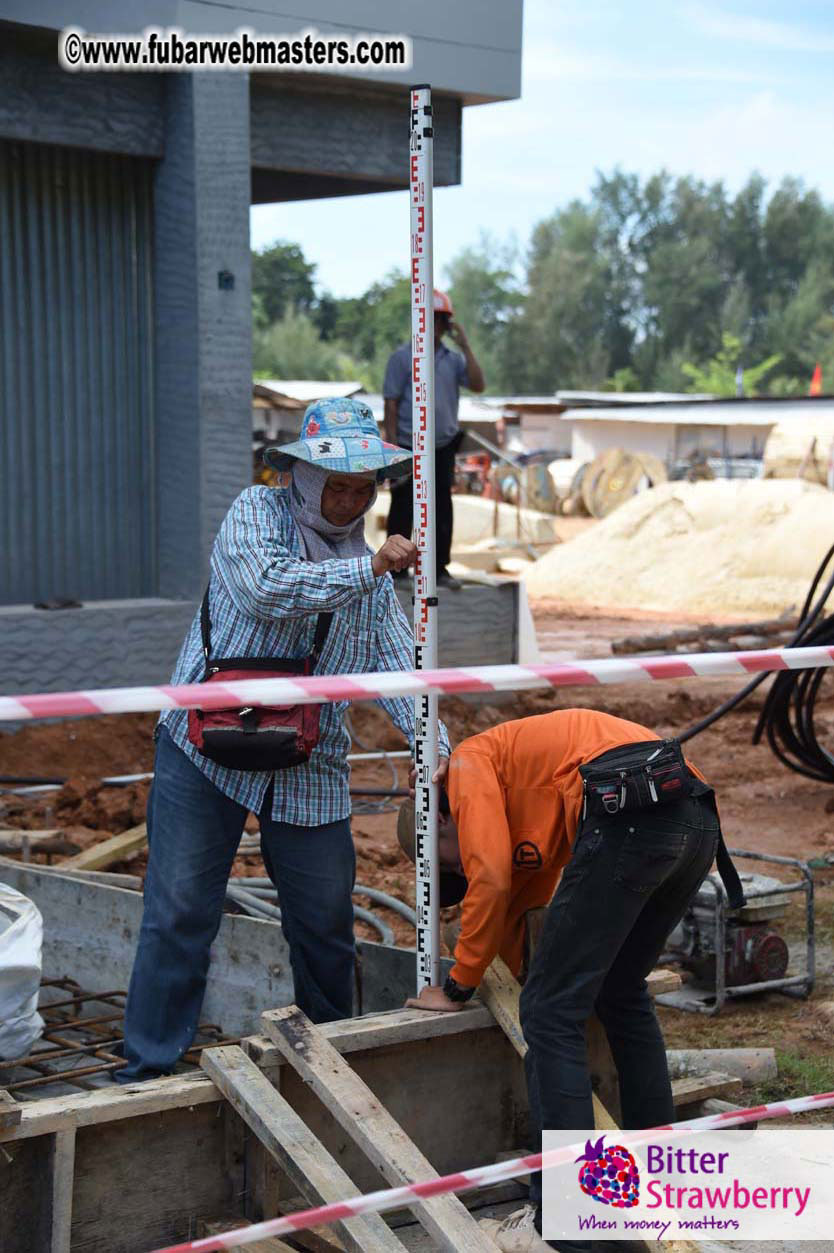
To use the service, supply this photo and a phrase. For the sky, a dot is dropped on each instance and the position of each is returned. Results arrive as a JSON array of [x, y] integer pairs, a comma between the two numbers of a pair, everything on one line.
[[711, 89]]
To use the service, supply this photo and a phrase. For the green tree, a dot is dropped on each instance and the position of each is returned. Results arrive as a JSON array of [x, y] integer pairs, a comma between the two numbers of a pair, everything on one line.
[[281, 276], [372, 325], [291, 348], [560, 340], [718, 376], [484, 290]]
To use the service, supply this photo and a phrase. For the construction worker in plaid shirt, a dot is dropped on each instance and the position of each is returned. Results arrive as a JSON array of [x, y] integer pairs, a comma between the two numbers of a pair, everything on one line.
[[281, 558]]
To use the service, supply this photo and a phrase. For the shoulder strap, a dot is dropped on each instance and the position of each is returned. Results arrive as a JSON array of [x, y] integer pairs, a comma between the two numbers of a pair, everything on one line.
[[323, 622], [322, 628], [205, 627]]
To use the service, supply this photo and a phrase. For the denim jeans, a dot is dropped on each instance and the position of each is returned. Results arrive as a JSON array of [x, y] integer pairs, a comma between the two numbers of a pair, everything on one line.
[[193, 834], [626, 886]]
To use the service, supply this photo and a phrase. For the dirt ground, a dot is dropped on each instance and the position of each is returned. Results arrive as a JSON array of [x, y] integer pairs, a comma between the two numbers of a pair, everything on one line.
[[764, 808]]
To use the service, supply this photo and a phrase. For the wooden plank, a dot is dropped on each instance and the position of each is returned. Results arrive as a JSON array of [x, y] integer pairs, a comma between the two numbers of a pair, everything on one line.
[[375, 1031], [287, 1137], [17, 840], [58, 1113], [117, 848], [365, 1119], [10, 1112], [269, 1245], [694, 1088], [63, 1178], [152, 1096], [662, 980]]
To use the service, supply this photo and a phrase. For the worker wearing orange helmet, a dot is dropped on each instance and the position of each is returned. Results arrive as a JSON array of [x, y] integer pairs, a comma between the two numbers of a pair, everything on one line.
[[451, 371]]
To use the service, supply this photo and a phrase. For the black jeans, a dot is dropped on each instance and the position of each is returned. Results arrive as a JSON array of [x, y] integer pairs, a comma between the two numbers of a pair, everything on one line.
[[401, 517], [627, 884]]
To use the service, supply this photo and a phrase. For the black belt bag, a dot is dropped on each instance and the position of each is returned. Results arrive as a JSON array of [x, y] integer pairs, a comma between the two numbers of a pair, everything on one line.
[[635, 776], [638, 777]]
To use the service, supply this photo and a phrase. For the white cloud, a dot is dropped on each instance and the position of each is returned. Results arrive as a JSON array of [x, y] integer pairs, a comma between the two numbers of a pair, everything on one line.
[[762, 31], [548, 63]]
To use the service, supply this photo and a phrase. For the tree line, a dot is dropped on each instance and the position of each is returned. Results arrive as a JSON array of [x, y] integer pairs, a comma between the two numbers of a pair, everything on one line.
[[667, 284]]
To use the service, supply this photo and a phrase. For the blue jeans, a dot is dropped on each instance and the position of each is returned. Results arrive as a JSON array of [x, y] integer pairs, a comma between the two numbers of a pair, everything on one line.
[[626, 886], [193, 834]]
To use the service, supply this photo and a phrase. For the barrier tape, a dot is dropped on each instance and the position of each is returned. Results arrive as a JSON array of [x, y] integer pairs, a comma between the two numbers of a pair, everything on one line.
[[320, 689], [466, 1180]]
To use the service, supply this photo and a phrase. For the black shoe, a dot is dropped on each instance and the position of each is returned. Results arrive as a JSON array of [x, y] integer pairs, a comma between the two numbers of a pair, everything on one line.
[[445, 579]]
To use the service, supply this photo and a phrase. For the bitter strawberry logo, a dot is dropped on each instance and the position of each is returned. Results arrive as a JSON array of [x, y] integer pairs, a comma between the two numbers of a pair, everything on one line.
[[609, 1175]]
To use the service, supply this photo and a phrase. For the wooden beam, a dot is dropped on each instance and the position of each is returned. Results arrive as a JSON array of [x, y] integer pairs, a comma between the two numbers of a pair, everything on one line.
[[271, 1244], [63, 1178], [10, 1111], [365, 1119], [372, 1031], [16, 840], [692, 1088], [117, 848], [299, 1153], [179, 1091]]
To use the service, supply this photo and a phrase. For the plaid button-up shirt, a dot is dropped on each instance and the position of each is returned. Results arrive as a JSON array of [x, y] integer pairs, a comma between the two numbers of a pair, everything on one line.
[[263, 602]]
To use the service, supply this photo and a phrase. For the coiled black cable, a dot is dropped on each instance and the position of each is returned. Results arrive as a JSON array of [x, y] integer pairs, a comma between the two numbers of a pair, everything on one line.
[[787, 718]]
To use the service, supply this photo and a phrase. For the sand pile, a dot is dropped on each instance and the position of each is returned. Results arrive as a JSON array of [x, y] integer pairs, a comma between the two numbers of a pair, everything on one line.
[[746, 547]]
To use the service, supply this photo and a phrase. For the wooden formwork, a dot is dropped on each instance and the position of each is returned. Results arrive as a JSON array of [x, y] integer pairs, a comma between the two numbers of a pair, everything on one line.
[[296, 1114]]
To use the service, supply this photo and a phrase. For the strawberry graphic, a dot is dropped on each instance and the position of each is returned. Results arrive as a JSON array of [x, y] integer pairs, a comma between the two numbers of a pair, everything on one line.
[[609, 1175]]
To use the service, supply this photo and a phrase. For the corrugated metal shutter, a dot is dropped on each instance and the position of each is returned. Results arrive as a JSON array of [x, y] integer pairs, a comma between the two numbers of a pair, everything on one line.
[[76, 384]]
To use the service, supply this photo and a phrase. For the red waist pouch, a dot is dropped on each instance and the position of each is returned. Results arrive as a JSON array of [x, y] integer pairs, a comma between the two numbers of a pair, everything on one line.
[[256, 737]]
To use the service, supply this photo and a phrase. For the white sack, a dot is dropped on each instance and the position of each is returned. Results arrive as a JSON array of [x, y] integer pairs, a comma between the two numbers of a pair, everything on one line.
[[21, 936]]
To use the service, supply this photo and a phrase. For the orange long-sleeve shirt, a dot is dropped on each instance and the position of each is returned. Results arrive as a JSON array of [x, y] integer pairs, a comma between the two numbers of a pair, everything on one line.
[[515, 793]]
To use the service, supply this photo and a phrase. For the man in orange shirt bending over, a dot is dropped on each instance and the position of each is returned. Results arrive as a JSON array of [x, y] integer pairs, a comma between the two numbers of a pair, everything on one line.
[[628, 830]]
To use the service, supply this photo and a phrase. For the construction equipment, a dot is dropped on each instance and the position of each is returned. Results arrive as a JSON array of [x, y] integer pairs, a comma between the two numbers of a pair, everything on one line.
[[754, 957]]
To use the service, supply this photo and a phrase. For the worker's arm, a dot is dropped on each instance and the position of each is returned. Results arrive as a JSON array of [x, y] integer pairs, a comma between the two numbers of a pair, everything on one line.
[[478, 804], [476, 798], [390, 419], [474, 378], [252, 563]]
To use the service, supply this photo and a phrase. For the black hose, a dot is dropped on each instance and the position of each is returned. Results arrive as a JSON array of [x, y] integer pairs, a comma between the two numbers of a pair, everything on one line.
[[787, 718]]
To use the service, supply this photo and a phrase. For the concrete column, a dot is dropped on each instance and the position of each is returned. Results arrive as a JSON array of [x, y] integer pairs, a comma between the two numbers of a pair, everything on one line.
[[203, 321]]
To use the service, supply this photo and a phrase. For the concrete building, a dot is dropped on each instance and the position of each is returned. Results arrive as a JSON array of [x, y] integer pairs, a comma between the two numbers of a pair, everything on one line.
[[125, 319]]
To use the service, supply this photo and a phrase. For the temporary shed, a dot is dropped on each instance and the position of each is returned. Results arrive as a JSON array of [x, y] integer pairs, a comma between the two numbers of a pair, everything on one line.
[[675, 430]]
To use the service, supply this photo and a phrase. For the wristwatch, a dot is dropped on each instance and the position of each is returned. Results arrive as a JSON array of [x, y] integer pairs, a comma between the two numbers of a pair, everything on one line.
[[456, 991]]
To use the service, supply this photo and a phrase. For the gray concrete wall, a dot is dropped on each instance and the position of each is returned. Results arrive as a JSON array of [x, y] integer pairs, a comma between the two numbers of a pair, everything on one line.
[[107, 112], [91, 931], [341, 134], [120, 643], [470, 48], [135, 642], [203, 333]]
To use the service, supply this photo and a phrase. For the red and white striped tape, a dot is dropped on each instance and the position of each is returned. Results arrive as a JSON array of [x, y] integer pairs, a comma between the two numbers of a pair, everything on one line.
[[319, 689], [466, 1180]]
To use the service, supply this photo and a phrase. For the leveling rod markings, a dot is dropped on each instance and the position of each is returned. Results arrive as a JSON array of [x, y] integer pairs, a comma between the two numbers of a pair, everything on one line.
[[466, 1180], [421, 183], [321, 689]]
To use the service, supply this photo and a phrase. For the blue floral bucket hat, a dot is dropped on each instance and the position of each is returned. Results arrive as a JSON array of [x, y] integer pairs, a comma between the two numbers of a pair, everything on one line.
[[341, 436]]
